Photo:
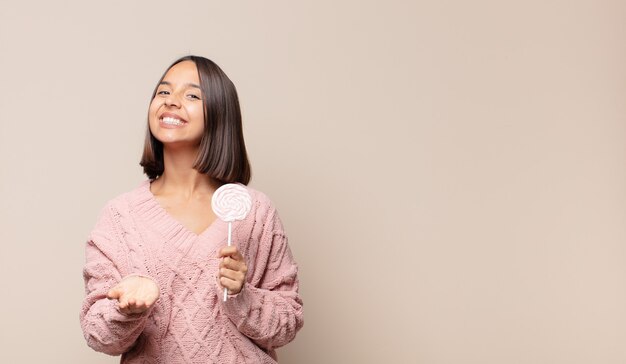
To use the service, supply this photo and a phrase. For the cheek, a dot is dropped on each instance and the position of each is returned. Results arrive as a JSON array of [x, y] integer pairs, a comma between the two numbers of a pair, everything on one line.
[[152, 110], [198, 112]]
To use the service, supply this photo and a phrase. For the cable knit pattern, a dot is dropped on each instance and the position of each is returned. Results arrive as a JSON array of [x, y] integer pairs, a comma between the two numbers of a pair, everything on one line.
[[189, 323]]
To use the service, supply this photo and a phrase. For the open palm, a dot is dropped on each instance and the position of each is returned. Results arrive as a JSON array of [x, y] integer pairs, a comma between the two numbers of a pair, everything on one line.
[[135, 294]]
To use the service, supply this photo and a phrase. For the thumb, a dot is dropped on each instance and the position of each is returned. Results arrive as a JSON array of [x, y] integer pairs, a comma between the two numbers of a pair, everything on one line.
[[114, 293]]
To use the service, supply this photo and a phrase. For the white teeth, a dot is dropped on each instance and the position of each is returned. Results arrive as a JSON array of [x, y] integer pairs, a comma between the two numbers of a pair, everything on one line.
[[172, 121]]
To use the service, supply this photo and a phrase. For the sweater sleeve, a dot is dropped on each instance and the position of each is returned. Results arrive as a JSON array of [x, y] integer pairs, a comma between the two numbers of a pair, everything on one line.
[[105, 328], [270, 312]]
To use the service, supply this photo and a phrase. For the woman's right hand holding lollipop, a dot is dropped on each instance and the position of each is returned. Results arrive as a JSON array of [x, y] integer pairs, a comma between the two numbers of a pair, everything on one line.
[[135, 294]]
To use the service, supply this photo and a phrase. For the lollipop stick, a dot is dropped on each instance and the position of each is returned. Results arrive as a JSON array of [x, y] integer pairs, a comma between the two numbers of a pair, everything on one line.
[[230, 232], [229, 238]]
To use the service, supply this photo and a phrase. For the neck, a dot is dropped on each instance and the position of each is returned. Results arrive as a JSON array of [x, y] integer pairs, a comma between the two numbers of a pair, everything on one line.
[[179, 177]]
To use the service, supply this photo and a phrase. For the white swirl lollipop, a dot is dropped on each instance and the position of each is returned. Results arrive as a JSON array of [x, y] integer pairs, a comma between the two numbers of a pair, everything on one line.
[[231, 202]]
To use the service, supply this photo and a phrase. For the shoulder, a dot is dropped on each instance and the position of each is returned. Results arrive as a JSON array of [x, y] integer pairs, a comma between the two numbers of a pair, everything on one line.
[[122, 204], [264, 210], [261, 203], [116, 218]]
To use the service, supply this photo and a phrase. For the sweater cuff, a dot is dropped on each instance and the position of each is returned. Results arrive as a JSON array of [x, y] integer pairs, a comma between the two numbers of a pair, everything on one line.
[[237, 306]]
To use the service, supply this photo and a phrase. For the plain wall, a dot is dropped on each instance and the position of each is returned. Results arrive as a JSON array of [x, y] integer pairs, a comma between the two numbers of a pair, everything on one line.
[[451, 174]]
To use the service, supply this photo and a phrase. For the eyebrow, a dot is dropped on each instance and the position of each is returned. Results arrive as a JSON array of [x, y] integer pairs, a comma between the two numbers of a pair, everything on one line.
[[187, 84]]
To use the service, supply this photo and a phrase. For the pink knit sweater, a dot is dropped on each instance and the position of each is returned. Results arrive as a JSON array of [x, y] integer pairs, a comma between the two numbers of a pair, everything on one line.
[[189, 323]]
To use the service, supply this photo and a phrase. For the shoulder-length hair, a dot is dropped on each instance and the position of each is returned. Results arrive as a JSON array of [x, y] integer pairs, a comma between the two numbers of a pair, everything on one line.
[[222, 153]]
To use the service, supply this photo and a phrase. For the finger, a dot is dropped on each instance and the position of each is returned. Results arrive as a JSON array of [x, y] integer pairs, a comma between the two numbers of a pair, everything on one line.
[[129, 309], [227, 251], [237, 256], [231, 264], [232, 286], [122, 304], [232, 274], [114, 293]]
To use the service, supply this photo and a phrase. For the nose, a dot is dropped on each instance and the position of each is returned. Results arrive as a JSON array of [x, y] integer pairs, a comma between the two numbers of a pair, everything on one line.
[[172, 100]]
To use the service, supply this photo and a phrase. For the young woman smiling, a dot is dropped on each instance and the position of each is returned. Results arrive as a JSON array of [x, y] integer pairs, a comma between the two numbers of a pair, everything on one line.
[[157, 260]]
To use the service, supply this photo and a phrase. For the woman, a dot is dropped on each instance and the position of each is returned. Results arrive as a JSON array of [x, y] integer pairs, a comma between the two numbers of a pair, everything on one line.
[[157, 261]]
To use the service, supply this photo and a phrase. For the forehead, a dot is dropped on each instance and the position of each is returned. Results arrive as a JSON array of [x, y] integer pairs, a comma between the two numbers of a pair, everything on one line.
[[183, 72]]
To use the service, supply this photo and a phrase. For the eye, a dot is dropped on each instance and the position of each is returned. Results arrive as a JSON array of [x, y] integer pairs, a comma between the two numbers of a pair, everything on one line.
[[194, 96], [163, 92]]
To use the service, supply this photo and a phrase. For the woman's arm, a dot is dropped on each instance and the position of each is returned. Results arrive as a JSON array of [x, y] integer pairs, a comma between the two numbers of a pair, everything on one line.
[[270, 312], [104, 326]]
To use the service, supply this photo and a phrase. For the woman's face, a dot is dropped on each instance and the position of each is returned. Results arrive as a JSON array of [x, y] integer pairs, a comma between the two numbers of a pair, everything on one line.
[[176, 114]]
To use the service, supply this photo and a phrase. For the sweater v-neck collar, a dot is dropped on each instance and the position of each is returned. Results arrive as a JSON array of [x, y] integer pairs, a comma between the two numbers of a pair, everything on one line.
[[166, 225]]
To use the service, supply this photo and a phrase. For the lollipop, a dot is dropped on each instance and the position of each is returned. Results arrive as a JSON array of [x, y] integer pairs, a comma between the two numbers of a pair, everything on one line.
[[231, 202]]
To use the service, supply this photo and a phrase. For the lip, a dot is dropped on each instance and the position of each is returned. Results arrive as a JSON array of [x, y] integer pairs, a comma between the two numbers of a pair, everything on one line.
[[171, 115]]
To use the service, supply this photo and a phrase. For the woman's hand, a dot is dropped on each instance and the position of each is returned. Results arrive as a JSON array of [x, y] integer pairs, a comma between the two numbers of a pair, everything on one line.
[[135, 294], [233, 269]]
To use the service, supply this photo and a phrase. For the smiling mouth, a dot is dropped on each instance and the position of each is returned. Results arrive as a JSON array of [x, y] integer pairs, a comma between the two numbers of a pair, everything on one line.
[[168, 120]]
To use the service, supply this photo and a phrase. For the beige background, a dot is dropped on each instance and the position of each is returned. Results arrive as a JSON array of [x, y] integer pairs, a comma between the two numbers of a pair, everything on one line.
[[452, 174]]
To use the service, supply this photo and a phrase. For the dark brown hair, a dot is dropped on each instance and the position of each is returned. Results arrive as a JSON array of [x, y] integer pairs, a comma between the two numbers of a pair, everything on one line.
[[222, 153]]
